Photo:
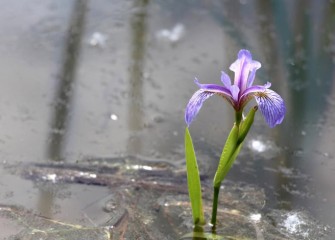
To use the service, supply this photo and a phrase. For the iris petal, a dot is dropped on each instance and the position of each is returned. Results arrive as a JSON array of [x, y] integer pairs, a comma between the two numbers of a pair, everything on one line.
[[239, 93], [225, 79], [214, 88], [272, 106], [242, 67], [195, 104], [255, 89], [234, 90], [252, 74]]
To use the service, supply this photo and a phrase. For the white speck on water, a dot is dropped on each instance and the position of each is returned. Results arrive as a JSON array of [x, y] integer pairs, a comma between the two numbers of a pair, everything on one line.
[[97, 40], [137, 167], [256, 217], [303, 133], [147, 168], [50, 177], [88, 175], [110, 206], [173, 35], [92, 175], [257, 145], [114, 117], [294, 224], [58, 131]]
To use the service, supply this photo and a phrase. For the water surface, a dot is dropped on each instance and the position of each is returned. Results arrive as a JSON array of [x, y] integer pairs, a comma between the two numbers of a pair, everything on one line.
[[110, 79]]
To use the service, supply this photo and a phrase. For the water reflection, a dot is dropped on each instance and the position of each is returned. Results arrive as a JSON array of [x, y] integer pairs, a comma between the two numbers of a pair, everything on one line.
[[138, 26], [308, 67], [65, 89], [298, 43], [63, 98]]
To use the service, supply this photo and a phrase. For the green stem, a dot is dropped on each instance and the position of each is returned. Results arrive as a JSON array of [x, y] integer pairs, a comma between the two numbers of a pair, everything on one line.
[[238, 117], [215, 207], [198, 229], [229, 153]]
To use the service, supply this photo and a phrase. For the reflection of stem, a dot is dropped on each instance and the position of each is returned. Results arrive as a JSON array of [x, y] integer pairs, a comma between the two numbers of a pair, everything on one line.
[[139, 30], [66, 81], [63, 97]]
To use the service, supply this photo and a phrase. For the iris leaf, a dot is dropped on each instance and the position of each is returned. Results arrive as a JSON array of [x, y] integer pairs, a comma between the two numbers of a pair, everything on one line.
[[193, 180], [228, 151], [246, 124], [231, 161], [233, 146]]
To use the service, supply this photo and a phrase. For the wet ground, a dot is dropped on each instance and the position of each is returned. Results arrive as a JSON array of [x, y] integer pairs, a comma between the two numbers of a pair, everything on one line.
[[91, 122]]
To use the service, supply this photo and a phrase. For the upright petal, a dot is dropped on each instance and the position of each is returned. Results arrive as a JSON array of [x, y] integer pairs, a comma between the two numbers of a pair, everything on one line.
[[234, 90], [195, 104], [225, 79], [241, 67], [272, 106], [252, 74]]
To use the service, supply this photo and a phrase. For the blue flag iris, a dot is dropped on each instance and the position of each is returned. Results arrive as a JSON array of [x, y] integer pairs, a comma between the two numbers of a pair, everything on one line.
[[239, 93]]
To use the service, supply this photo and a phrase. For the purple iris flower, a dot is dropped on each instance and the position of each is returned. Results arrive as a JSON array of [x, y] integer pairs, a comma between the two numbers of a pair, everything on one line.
[[271, 105]]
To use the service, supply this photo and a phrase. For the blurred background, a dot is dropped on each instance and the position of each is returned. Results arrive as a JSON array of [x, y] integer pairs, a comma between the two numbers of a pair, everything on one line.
[[112, 78]]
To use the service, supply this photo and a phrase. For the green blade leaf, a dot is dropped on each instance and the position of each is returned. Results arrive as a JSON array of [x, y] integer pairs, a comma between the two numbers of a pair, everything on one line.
[[231, 161], [246, 124], [193, 180], [228, 151]]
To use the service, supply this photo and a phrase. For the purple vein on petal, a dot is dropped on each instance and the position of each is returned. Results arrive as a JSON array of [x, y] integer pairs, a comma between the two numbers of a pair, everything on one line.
[[194, 105], [214, 88], [272, 107]]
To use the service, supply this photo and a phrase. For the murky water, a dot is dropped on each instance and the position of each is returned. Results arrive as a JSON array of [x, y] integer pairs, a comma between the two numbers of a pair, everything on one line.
[[86, 81]]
